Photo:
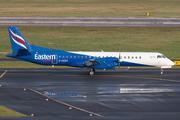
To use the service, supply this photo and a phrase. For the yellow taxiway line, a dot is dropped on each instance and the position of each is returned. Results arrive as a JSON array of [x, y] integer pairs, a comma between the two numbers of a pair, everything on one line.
[[3, 73]]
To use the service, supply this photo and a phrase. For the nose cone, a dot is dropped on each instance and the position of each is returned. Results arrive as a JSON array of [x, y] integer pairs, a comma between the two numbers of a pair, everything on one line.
[[170, 63]]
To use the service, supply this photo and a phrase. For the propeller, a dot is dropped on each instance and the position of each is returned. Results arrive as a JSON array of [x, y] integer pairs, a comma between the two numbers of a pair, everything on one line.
[[119, 59]]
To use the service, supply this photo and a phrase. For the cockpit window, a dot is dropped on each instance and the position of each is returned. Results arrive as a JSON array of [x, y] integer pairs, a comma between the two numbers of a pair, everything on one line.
[[161, 56]]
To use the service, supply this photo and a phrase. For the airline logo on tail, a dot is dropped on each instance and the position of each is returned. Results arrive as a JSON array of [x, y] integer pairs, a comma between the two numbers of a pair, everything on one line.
[[18, 40]]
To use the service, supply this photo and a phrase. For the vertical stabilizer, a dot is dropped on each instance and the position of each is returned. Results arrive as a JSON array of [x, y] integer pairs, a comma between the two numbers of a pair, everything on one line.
[[19, 45]]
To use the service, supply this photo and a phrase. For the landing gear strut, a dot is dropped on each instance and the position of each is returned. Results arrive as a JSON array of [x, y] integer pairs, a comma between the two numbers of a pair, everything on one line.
[[161, 71], [92, 71]]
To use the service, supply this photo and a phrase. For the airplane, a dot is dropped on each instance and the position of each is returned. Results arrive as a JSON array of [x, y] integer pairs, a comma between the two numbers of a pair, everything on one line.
[[24, 51]]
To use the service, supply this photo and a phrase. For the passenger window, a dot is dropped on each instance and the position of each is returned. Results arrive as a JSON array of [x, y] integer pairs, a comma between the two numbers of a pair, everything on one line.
[[132, 57], [59, 56], [85, 56], [89, 56], [128, 57], [81, 56], [78, 56], [63, 56], [139, 57], [66, 56], [74, 56], [70, 56], [136, 57], [124, 57]]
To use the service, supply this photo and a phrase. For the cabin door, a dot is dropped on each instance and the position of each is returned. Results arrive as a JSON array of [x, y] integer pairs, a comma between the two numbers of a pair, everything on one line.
[[54, 59]]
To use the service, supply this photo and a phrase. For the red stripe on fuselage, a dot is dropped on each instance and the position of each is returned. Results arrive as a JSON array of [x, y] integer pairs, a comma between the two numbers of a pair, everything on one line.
[[19, 40]]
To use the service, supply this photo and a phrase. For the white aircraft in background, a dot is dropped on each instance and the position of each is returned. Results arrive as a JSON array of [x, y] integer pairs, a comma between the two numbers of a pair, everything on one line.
[[24, 51]]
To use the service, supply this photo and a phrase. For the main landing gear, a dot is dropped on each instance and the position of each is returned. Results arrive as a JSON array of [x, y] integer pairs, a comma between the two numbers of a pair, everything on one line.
[[92, 71], [161, 71]]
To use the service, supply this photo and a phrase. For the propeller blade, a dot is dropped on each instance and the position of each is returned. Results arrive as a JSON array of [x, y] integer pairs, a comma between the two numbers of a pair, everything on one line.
[[119, 60]]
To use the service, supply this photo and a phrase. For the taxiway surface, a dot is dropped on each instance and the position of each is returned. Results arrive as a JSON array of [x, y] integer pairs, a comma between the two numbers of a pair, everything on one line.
[[90, 22], [73, 94]]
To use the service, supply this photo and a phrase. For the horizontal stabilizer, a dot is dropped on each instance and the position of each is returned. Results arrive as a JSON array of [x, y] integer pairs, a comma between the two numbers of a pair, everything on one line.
[[23, 52]]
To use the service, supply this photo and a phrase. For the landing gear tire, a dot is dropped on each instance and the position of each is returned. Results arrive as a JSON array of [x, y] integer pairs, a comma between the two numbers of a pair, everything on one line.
[[92, 71]]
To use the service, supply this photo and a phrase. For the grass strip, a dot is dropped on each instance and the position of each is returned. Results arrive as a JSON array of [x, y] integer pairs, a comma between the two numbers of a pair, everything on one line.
[[22, 64], [6, 112], [90, 8], [113, 39]]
